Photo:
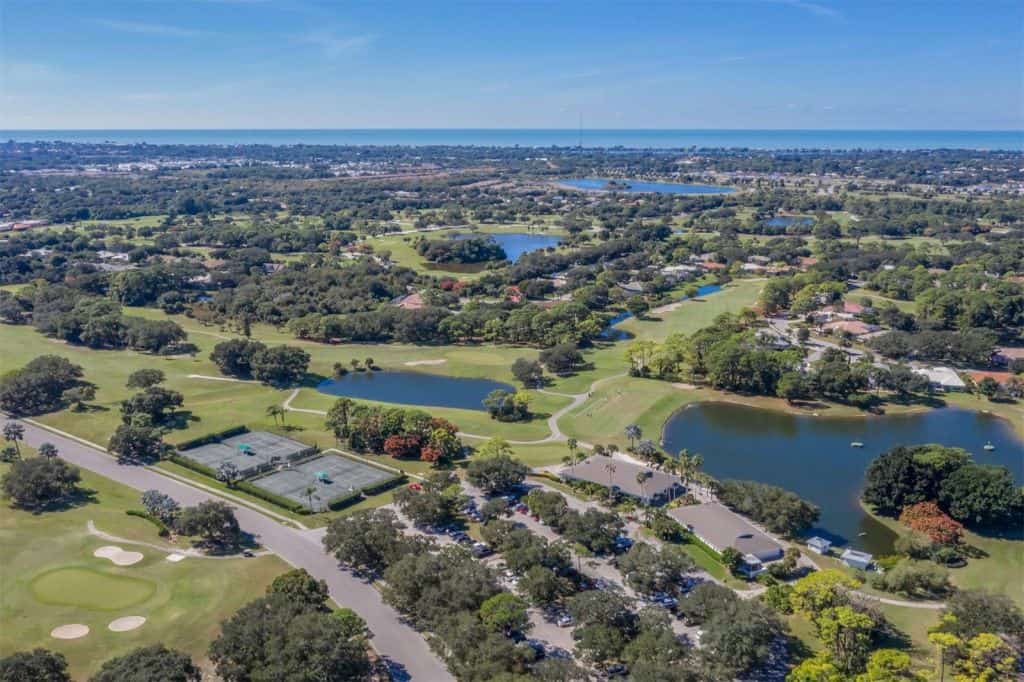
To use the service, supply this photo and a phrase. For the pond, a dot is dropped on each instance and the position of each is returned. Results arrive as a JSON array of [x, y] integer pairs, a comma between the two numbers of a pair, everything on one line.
[[413, 388], [812, 457], [787, 220], [601, 184], [612, 333], [515, 244]]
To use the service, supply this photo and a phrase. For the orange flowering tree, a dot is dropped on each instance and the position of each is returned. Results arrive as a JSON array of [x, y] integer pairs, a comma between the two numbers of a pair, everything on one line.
[[926, 518]]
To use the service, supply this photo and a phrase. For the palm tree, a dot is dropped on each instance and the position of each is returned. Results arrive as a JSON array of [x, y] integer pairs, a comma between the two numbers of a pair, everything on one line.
[[641, 478], [47, 450], [309, 496], [274, 411], [355, 363], [573, 448], [633, 433], [610, 468], [14, 432]]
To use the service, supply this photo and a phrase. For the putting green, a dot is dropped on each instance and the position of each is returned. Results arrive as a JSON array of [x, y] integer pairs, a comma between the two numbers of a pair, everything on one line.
[[90, 589]]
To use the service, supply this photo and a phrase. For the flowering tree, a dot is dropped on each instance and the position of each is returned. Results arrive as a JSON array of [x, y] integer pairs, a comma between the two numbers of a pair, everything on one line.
[[926, 518]]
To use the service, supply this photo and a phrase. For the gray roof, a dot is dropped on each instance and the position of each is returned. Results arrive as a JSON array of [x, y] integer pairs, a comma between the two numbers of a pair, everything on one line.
[[721, 528], [623, 477]]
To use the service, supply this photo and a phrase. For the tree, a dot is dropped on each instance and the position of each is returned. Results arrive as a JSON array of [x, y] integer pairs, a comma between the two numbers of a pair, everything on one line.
[[144, 378], [649, 570], [496, 474], [299, 586], [155, 662], [573, 446], [505, 613], [39, 482], [778, 509], [731, 559], [633, 433], [542, 586], [228, 474], [235, 357], [738, 638], [889, 665], [986, 657], [821, 590], [275, 411], [637, 307], [976, 611], [704, 600], [647, 450], [155, 403], [39, 386], [38, 665], [9, 453], [214, 521], [792, 386], [14, 433], [529, 372], [506, 406], [48, 450], [160, 505], [278, 638], [846, 634], [426, 507], [367, 541], [136, 444], [562, 358], [926, 518], [816, 669], [77, 396], [337, 417], [982, 495], [280, 365], [989, 387]]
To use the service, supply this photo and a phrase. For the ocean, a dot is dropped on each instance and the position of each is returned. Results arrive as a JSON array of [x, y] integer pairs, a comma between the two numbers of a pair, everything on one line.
[[606, 138]]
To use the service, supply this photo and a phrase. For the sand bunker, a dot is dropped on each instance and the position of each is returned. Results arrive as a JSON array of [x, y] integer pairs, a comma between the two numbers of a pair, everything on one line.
[[415, 363], [125, 624], [118, 556], [175, 558], [73, 631]]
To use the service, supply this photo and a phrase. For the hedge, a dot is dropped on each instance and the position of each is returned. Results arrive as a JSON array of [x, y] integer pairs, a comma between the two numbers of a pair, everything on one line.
[[212, 437], [161, 526], [290, 505], [385, 485], [345, 500], [193, 465]]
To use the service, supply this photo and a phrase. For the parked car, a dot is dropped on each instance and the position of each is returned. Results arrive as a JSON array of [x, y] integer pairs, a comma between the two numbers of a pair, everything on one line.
[[616, 670], [564, 620], [481, 549]]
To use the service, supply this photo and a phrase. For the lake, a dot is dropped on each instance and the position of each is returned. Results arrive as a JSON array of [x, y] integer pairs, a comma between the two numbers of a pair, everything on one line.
[[515, 244], [611, 333], [787, 220], [812, 457], [413, 388], [592, 184]]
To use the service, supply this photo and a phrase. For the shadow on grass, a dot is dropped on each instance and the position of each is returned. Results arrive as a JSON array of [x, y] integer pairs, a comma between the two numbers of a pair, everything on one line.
[[76, 500]]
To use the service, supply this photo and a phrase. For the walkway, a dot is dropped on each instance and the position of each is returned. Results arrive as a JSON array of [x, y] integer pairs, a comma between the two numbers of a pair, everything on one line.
[[401, 646]]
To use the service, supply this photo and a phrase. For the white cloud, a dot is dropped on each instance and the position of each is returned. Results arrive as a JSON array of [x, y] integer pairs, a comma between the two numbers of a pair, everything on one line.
[[334, 45], [150, 29]]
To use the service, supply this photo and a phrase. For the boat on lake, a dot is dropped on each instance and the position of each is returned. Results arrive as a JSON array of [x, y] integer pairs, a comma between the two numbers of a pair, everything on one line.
[[856, 444], [989, 447]]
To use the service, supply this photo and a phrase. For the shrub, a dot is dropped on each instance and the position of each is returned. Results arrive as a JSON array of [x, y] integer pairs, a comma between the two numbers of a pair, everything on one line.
[[926, 518]]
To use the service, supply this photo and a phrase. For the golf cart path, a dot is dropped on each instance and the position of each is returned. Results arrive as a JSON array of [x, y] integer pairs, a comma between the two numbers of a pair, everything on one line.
[[556, 434]]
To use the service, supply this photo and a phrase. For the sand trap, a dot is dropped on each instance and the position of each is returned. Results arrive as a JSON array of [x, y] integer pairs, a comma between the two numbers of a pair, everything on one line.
[[175, 558], [73, 631], [415, 363], [125, 624], [118, 556]]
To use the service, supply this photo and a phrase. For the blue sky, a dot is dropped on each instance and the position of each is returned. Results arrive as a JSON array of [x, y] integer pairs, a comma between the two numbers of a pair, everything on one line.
[[301, 64]]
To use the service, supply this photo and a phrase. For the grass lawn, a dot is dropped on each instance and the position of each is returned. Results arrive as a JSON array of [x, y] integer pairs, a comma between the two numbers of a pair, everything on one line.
[[1012, 412], [51, 578]]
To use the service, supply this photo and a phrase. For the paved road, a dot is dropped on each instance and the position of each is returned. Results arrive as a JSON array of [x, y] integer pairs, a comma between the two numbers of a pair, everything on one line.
[[402, 646]]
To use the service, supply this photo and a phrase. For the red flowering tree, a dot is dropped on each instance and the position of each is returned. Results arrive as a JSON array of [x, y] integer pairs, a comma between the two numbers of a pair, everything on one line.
[[403, 446], [429, 453], [926, 518]]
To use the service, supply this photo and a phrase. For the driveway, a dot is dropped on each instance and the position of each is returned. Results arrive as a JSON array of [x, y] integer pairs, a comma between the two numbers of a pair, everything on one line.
[[401, 646]]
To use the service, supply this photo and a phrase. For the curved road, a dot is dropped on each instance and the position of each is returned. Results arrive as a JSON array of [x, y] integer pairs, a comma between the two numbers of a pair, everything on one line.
[[401, 646]]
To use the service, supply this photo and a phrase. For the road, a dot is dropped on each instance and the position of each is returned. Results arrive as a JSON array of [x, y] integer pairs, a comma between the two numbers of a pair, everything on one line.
[[401, 646]]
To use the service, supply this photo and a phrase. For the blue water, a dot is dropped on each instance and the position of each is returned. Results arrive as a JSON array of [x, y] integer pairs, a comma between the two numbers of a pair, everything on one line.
[[629, 138], [612, 333], [516, 244], [413, 388], [654, 187], [812, 457], [786, 221]]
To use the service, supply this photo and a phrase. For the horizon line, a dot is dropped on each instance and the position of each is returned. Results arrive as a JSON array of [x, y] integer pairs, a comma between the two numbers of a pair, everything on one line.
[[574, 130]]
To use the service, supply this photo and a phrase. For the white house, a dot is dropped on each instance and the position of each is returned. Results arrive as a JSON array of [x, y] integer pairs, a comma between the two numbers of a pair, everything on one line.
[[855, 559], [942, 378], [819, 545]]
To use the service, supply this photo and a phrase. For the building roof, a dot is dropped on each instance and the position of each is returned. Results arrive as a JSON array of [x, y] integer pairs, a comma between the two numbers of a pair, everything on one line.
[[721, 527], [999, 377], [943, 376], [817, 541], [623, 477], [411, 302], [856, 556], [1010, 353], [854, 327]]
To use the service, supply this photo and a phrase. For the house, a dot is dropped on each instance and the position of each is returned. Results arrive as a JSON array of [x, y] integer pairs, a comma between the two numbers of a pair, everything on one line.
[[999, 377], [942, 378], [851, 327], [712, 265], [819, 545], [624, 477], [1005, 355], [410, 302], [855, 559], [633, 288], [678, 272], [719, 527], [752, 267], [750, 566], [271, 268]]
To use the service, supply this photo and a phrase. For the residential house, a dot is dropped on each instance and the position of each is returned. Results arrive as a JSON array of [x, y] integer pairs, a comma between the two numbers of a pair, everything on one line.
[[819, 545], [855, 559]]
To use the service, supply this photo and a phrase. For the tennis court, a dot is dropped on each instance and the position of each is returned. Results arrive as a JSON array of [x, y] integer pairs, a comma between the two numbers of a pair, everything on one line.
[[251, 452], [330, 477]]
